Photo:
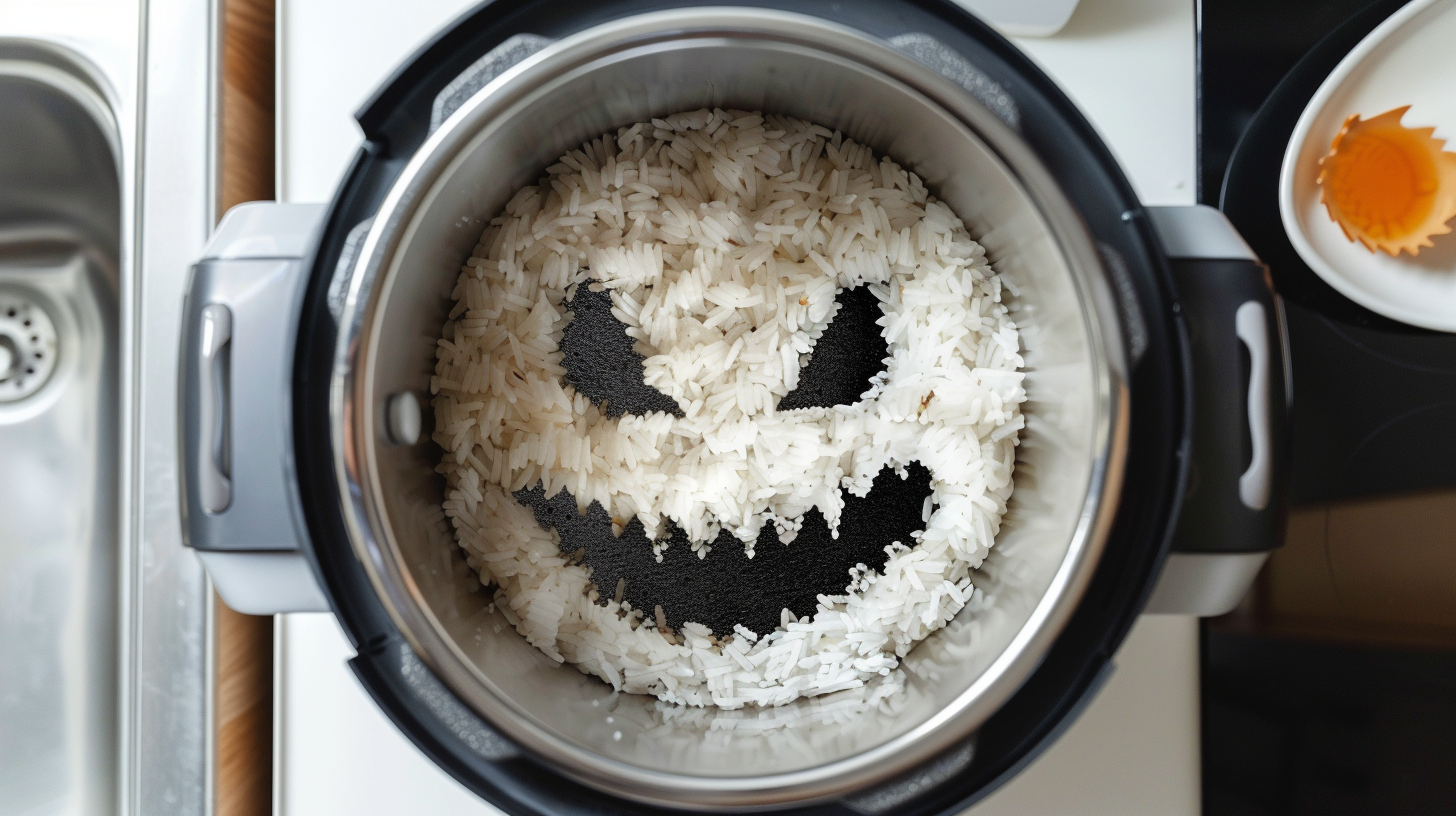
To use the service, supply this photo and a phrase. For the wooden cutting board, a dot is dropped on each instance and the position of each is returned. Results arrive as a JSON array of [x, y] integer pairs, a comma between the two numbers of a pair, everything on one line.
[[243, 644]]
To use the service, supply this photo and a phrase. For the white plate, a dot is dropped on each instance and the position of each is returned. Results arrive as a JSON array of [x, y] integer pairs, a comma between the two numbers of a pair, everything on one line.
[[1410, 59]]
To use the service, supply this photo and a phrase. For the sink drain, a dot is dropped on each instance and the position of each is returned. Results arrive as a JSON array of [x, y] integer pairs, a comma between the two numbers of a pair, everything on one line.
[[27, 347]]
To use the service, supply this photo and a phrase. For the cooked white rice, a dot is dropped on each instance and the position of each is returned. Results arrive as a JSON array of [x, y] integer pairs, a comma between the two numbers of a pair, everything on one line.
[[723, 237]]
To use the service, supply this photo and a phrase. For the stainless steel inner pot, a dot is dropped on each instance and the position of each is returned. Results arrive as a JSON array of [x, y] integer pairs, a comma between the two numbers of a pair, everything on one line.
[[1068, 470]]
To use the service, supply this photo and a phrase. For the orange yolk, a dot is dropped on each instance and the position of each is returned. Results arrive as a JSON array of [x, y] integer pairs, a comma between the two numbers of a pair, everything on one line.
[[1383, 183]]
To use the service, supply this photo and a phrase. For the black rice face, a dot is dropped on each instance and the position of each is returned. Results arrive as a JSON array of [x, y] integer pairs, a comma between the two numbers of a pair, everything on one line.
[[727, 587]]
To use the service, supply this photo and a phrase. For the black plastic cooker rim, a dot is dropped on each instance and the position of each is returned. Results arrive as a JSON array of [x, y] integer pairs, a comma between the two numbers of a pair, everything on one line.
[[395, 121]]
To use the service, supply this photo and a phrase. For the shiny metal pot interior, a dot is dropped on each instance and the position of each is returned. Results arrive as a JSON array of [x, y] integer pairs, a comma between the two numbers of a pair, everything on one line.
[[1068, 470]]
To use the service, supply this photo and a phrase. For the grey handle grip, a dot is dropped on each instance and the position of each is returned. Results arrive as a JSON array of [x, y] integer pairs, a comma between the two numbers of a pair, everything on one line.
[[215, 334], [1232, 512], [1251, 326], [239, 490]]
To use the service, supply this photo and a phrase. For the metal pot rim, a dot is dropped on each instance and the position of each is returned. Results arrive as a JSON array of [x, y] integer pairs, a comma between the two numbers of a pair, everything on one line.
[[354, 414]]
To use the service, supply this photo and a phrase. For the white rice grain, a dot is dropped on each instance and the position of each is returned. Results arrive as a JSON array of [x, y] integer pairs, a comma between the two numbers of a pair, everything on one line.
[[723, 238]]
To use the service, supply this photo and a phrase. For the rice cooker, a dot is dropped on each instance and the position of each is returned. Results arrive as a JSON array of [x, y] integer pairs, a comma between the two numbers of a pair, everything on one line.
[[1150, 475]]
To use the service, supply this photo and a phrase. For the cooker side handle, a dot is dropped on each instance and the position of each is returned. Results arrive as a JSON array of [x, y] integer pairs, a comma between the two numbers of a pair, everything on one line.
[[1233, 509], [240, 503]]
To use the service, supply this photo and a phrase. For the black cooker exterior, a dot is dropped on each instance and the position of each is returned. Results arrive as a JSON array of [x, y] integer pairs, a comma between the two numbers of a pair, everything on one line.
[[395, 122]]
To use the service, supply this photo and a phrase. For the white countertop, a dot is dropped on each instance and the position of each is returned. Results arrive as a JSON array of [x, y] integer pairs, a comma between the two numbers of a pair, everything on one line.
[[1130, 66]]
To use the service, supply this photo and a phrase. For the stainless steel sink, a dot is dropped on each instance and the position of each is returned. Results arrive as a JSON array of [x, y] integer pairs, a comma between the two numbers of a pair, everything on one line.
[[60, 543]]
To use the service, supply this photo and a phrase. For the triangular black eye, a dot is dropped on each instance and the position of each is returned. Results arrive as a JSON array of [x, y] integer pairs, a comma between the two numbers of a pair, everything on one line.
[[728, 587], [846, 357], [600, 362]]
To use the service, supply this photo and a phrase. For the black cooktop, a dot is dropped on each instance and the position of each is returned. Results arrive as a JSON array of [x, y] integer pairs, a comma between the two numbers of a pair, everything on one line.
[[1374, 400]]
